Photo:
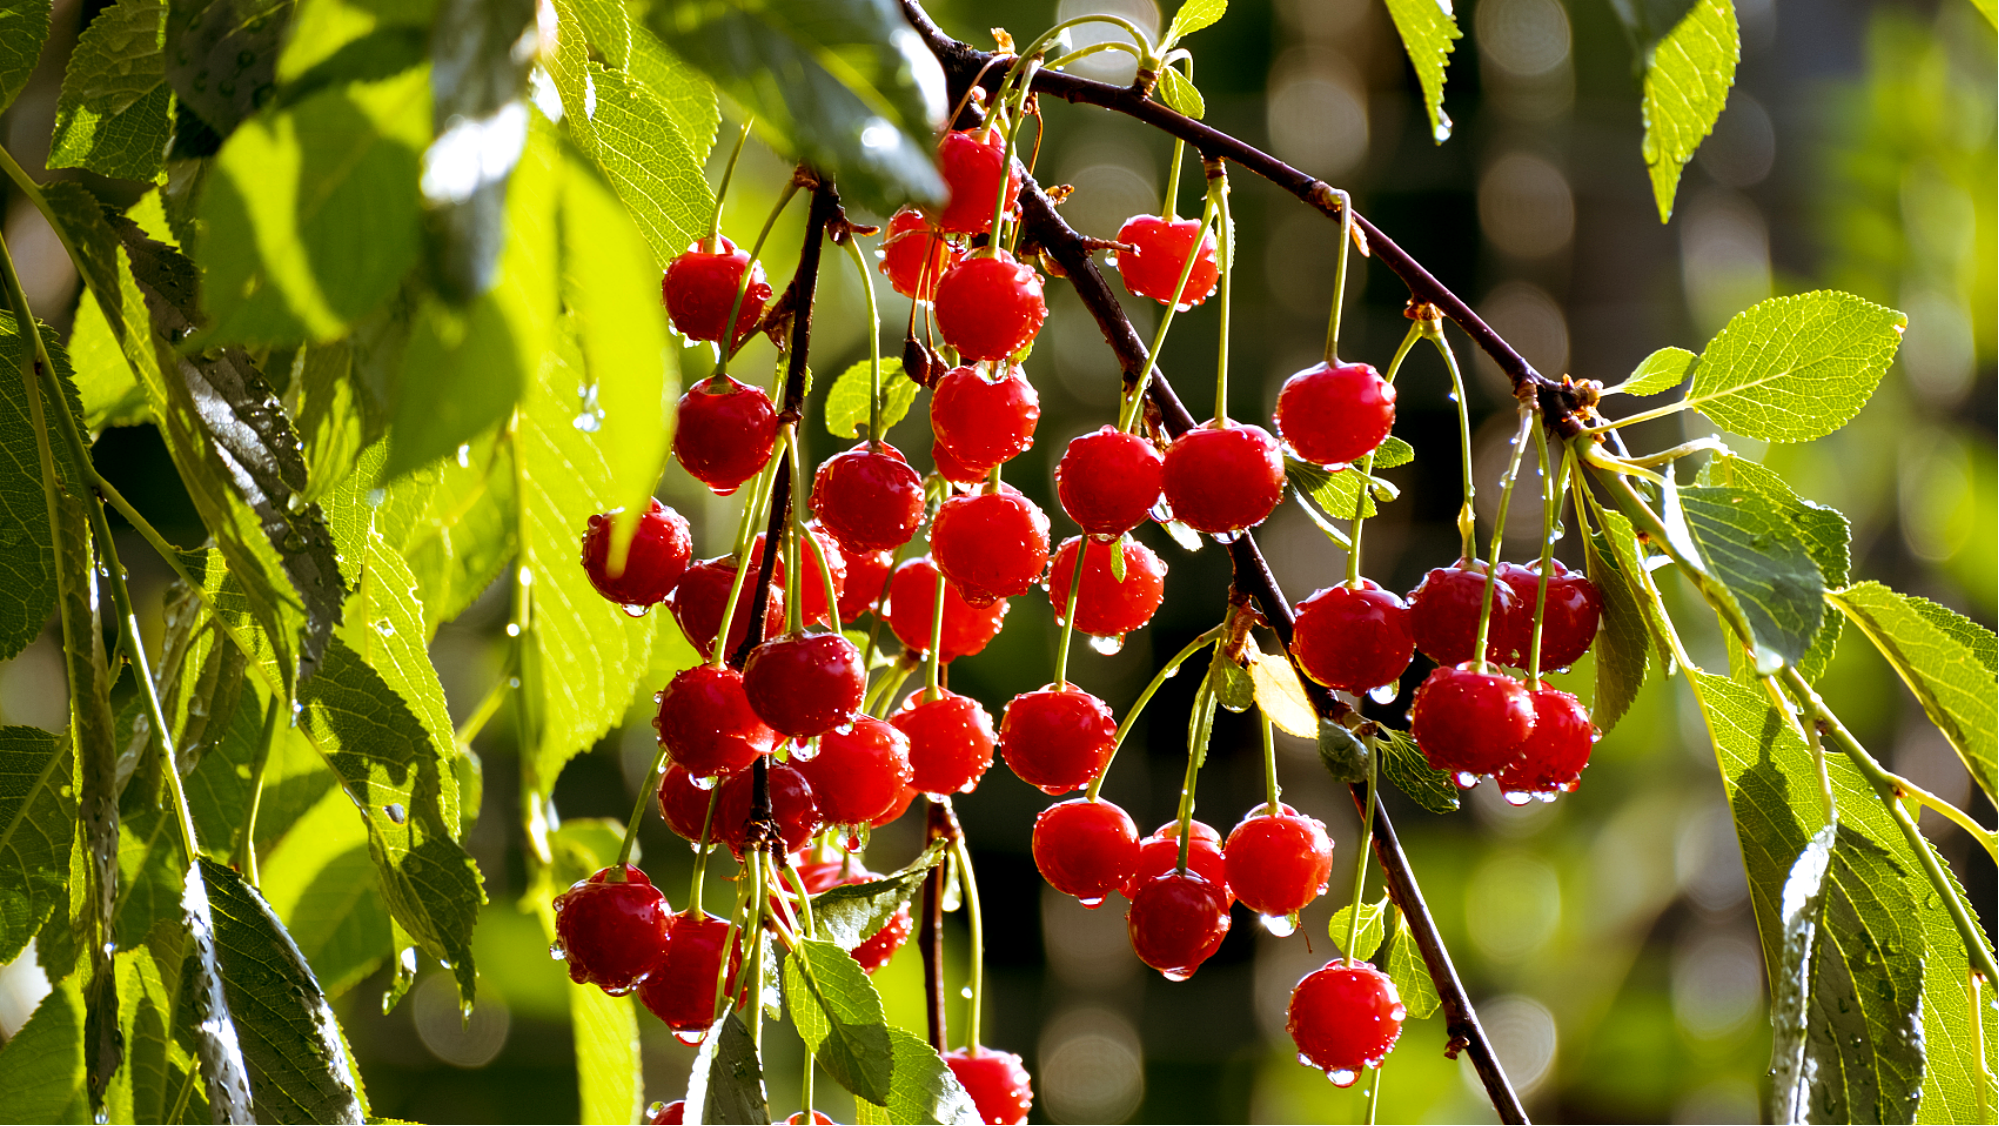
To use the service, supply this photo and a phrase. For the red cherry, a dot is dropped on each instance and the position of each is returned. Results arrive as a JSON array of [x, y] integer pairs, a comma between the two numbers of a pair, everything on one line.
[[1159, 854], [725, 434], [800, 1118], [1159, 252], [902, 255], [702, 592], [1085, 848], [997, 1082], [1109, 481], [1552, 757], [1343, 1018], [1057, 738], [953, 470], [1443, 615], [859, 771], [1177, 921], [1353, 639], [811, 583], [1335, 414], [900, 807], [793, 808], [868, 498], [991, 545], [912, 595], [672, 1114], [1470, 723], [706, 724], [681, 992], [682, 803], [983, 422], [970, 161], [950, 742], [1569, 620], [1106, 607], [612, 932], [805, 684], [990, 307], [1277, 864], [867, 574], [655, 561], [700, 289], [1223, 480]]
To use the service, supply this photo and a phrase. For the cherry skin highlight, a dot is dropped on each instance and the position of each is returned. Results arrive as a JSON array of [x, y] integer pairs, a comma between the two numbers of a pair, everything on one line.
[[698, 599], [990, 307], [903, 259], [859, 772], [1470, 723], [612, 932], [1353, 638], [867, 576], [868, 498], [1106, 607], [793, 807], [1160, 248], [990, 545], [997, 1082], [1159, 854], [970, 161], [1057, 738], [984, 422], [912, 595], [681, 991], [1278, 864], [1569, 620], [805, 684], [1109, 481], [1551, 759], [1224, 480], [657, 557], [1444, 609], [707, 725], [1085, 848], [1177, 921], [1335, 414], [683, 804], [951, 742], [700, 288], [1343, 1018], [725, 434]]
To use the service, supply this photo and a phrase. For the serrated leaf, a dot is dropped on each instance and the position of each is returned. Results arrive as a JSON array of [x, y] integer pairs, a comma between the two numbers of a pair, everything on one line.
[[115, 113], [1661, 371], [1825, 533], [850, 914], [41, 1067], [223, 57], [1622, 641], [1338, 494], [1402, 763], [24, 25], [924, 1089], [848, 403], [156, 1065], [321, 882], [1230, 682], [726, 1081], [1281, 694], [1180, 94], [845, 86], [335, 41], [1193, 16], [839, 1016], [1945, 659], [1428, 29], [1411, 977], [464, 529], [1342, 753], [1760, 559], [1686, 85], [1791, 369], [1372, 920], [608, 1076], [27, 550], [37, 824], [111, 396], [1393, 452]]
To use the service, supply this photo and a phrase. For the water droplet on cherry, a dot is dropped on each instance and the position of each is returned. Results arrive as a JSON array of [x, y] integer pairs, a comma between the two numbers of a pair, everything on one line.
[[1282, 926], [1107, 646]]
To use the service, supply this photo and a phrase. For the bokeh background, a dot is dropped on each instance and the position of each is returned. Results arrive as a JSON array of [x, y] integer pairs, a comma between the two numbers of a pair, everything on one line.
[[1607, 937]]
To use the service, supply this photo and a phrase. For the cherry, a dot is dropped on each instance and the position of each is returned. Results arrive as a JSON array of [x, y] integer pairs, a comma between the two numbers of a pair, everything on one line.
[[698, 600], [1343, 1018], [859, 772], [912, 595], [613, 932], [984, 422], [1335, 414], [700, 289], [997, 1082], [655, 561], [1443, 614], [1057, 738], [990, 307], [1159, 854], [953, 470], [867, 574], [725, 433], [1553, 756], [868, 498], [970, 161], [672, 1114], [707, 725], [874, 952], [1221, 480], [1177, 921], [793, 808], [1568, 622], [902, 255], [950, 742], [1085, 848], [800, 1118], [681, 992], [811, 583], [900, 807], [1278, 863], [1353, 638], [991, 545], [682, 803], [1109, 481], [1106, 607], [805, 684], [1468, 722], [1159, 252]]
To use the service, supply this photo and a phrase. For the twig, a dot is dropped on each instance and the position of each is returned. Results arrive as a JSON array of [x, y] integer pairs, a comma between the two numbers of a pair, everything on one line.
[[939, 824]]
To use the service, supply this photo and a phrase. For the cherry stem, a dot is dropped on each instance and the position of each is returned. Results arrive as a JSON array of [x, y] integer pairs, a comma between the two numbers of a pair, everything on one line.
[[807, 930], [1433, 331], [794, 582], [1360, 859], [880, 608], [1129, 412], [275, 721], [729, 346], [976, 918], [739, 921], [753, 510], [1069, 614], [1339, 276], [1199, 726], [882, 697], [1019, 76], [1374, 1091], [1366, 468], [933, 674], [1527, 419], [1551, 506], [712, 242], [1218, 189], [1159, 678], [758, 905], [939, 823], [1270, 787], [647, 788], [704, 848], [874, 342], [1172, 197]]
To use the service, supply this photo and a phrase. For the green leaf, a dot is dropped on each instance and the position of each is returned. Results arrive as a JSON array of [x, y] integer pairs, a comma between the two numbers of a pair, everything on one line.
[[1686, 85], [1411, 977], [923, 1090], [1988, 9], [686, 93], [1791, 369], [1948, 661], [726, 1081], [1372, 920], [1402, 763], [1825, 533], [41, 1068], [839, 1016], [850, 914], [845, 86], [156, 1066], [1281, 695], [1428, 29], [111, 396], [115, 113], [321, 882], [1392, 453], [223, 57], [1193, 16], [848, 403], [608, 1075], [1342, 753], [37, 823], [1180, 94], [24, 25], [1338, 494], [1230, 682], [478, 76], [1661, 371], [1761, 560], [338, 415], [343, 40], [27, 552], [1622, 640], [464, 530], [283, 201]]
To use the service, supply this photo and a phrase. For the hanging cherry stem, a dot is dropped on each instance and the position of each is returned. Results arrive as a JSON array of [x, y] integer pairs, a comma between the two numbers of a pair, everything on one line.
[[1551, 510], [1069, 613], [1433, 331], [1527, 421], [1218, 191], [1172, 197], [1339, 277], [1159, 678], [712, 243], [1199, 726], [1271, 791], [730, 346], [933, 672], [1366, 468], [702, 849], [1374, 1091], [1360, 859], [975, 917], [1129, 412], [794, 582], [874, 342]]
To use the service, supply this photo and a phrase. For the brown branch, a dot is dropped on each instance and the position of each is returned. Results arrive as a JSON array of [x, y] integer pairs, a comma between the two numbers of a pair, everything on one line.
[[939, 823]]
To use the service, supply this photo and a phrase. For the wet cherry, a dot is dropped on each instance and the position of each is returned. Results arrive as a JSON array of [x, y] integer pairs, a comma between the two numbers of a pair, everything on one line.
[[970, 161], [1354, 639], [1277, 864], [656, 559], [1470, 723], [682, 803], [903, 259], [984, 422], [868, 498], [912, 596], [951, 742], [873, 952], [1109, 481], [1335, 414], [702, 592], [671, 1114], [990, 545], [997, 1082], [1551, 759], [859, 772], [953, 470], [725, 433], [793, 808], [1569, 620], [1177, 921], [990, 306], [1343, 1018], [1444, 609], [867, 575], [1106, 607], [612, 932], [1085, 848], [805, 684], [1221, 480], [681, 991], [1057, 738], [700, 289], [1159, 854], [706, 724], [812, 581], [1159, 252], [901, 806]]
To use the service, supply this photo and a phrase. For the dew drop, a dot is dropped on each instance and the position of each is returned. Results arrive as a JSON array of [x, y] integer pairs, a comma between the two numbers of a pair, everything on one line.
[[691, 1038], [1227, 537], [1107, 646], [1385, 694], [1283, 926], [589, 421], [1092, 903], [1341, 1077], [556, 952], [636, 611], [1466, 779], [707, 783], [465, 456], [395, 812], [385, 627], [513, 629], [1176, 975], [1516, 797], [965, 992], [293, 542]]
